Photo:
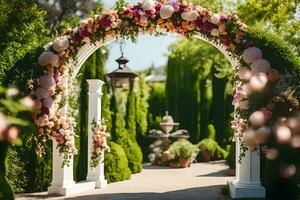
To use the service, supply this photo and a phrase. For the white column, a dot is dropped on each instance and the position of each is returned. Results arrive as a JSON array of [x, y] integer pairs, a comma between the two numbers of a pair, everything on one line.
[[95, 92], [62, 176], [247, 183]]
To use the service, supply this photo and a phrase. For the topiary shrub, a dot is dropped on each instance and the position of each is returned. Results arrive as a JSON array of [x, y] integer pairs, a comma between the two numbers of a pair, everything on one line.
[[211, 131], [134, 156], [116, 164], [212, 146]]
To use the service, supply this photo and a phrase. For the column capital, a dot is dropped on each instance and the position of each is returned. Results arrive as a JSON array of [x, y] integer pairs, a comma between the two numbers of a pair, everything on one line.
[[95, 85]]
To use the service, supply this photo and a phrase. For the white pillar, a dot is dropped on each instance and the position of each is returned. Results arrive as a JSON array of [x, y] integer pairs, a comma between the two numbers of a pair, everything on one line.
[[247, 183], [95, 92], [62, 176]]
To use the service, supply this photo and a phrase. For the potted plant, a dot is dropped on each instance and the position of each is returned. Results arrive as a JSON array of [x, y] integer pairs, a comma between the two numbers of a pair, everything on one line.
[[210, 149], [182, 153]]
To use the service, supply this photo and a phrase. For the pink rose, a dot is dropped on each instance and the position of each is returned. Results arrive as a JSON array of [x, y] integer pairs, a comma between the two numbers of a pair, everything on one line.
[[273, 75], [12, 134], [267, 113], [59, 138]]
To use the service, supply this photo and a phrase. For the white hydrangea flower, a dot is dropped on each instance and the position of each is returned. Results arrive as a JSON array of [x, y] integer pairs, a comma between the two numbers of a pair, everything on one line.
[[61, 43], [46, 81], [215, 19], [147, 4], [260, 65], [48, 58], [252, 54], [166, 11], [48, 102], [215, 32], [189, 16], [42, 93]]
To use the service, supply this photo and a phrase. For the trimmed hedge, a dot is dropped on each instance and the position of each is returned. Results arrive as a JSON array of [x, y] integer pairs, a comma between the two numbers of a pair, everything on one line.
[[275, 50], [116, 164]]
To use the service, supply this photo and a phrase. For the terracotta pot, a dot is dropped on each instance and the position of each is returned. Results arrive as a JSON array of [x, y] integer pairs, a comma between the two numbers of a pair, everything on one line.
[[184, 163], [231, 172], [165, 156], [173, 164], [206, 156]]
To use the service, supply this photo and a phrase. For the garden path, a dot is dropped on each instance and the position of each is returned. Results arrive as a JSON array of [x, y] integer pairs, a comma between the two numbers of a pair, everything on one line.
[[202, 181]]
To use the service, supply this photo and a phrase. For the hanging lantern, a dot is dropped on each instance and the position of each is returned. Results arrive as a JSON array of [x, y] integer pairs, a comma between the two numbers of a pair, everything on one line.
[[122, 76]]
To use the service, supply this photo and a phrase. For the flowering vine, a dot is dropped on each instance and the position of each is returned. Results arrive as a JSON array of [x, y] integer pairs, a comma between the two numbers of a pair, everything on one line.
[[99, 142], [256, 81]]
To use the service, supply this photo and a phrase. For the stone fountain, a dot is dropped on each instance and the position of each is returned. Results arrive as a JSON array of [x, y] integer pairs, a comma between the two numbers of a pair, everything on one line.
[[163, 138]]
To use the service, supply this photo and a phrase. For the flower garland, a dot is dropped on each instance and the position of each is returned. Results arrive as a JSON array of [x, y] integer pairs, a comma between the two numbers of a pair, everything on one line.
[[255, 77], [99, 142]]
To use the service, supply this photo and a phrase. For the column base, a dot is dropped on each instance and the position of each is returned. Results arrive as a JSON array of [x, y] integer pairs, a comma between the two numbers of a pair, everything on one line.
[[244, 190], [101, 184], [71, 188]]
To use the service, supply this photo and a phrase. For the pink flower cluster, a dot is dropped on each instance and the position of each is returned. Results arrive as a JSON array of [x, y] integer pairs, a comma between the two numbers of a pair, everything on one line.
[[7, 132], [100, 142]]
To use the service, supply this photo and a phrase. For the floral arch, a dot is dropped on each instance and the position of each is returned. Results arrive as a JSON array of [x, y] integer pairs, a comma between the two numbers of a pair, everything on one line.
[[258, 81]]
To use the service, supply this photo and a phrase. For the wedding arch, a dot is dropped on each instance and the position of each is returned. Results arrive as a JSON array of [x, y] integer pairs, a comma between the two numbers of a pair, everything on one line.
[[258, 80]]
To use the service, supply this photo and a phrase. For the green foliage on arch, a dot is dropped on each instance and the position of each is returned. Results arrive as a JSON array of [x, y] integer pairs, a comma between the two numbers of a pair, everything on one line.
[[275, 50]]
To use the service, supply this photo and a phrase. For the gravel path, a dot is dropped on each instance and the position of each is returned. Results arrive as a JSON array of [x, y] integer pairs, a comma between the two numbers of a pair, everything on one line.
[[202, 181]]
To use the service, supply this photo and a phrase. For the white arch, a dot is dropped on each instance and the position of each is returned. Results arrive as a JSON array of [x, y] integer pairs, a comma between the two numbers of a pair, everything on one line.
[[89, 48], [247, 183]]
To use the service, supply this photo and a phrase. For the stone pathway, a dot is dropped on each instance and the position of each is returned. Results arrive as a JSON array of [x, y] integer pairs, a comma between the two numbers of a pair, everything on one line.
[[202, 181]]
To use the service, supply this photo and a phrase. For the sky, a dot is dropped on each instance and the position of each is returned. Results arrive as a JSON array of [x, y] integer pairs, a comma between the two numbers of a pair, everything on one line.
[[147, 51]]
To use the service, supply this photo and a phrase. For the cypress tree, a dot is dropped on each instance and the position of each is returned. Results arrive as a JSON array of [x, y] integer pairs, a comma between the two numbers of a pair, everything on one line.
[[218, 105], [131, 113]]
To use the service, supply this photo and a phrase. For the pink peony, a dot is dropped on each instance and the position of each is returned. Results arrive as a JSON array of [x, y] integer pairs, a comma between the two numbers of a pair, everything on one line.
[[166, 11], [252, 54], [174, 4], [283, 134], [41, 93], [189, 16], [61, 44], [249, 138], [46, 81], [215, 19], [257, 119], [48, 58], [48, 102], [147, 4], [260, 65], [258, 82], [244, 73]]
